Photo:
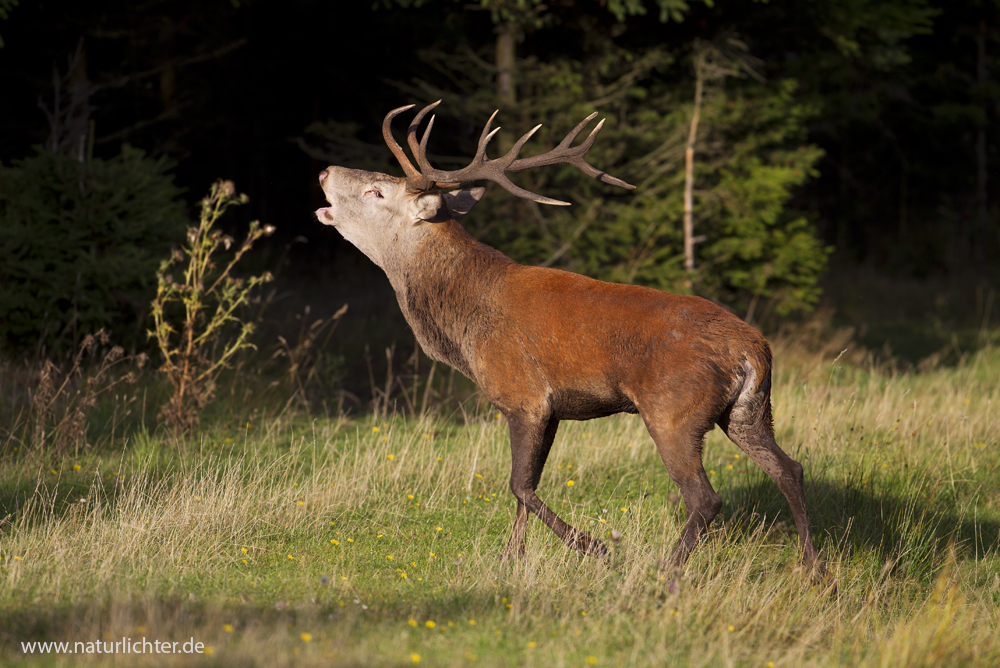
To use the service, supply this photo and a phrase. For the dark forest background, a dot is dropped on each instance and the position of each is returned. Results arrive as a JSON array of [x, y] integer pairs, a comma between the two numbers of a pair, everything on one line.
[[845, 157]]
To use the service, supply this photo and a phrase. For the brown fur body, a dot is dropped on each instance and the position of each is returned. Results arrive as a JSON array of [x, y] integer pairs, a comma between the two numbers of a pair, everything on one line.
[[578, 347]]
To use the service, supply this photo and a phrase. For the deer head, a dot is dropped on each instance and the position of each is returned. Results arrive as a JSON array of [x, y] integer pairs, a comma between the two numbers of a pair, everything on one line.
[[382, 214]]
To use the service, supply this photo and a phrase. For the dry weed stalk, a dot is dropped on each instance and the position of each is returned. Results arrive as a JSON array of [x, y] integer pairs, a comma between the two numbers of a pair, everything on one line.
[[60, 402], [304, 355], [194, 313]]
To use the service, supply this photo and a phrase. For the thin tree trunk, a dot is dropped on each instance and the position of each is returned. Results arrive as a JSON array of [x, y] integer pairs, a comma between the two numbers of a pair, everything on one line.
[[507, 92], [699, 86], [168, 76], [79, 111], [506, 41]]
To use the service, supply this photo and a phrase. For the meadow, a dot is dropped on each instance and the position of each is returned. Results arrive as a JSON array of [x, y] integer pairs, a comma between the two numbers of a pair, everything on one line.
[[281, 539]]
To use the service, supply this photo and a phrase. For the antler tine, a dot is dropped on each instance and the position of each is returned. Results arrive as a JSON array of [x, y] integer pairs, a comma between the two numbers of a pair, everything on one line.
[[581, 163], [512, 153], [571, 137], [455, 179], [411, 135], [592, 137], [421, 150], [564, 153], [397, 150], [495, 170], [485, 136], [479, 160], [507, 185]]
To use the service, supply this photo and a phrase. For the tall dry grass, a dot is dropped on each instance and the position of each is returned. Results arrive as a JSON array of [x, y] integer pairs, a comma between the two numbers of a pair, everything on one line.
[[294, 542]]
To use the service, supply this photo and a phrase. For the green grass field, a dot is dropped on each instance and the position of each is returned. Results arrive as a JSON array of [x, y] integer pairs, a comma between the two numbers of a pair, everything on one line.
[[363, 541]]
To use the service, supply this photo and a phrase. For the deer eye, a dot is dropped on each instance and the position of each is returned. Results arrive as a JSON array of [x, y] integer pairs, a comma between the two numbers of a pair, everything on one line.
[[374, 192]]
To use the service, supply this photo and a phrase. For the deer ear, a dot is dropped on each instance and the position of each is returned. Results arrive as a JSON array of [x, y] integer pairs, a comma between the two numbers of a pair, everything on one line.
[[430, 208], [460, 201]]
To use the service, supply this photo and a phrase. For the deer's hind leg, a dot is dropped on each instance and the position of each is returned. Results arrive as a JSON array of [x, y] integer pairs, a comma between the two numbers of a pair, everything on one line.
[[679, 435], [748, 424], [530, 441]]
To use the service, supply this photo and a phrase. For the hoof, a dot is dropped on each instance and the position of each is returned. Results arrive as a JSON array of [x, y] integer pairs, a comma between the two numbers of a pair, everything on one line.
[[509, 556], [669, 568], [818, 576], [589, 545], [597, 549], [669, 576], [822, 578], [817, 572]]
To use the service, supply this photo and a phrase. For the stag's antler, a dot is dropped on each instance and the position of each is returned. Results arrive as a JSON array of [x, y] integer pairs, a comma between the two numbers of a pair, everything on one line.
[[483, 168]]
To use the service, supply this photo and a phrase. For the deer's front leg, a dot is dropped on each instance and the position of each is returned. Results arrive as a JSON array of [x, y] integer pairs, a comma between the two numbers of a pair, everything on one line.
[[530, 441]]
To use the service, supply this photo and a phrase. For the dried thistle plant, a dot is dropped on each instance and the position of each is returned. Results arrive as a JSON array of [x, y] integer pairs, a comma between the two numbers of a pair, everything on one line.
[[195, 310]]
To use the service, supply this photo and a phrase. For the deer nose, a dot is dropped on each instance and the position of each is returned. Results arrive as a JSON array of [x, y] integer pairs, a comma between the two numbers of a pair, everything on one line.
[[322, 176]]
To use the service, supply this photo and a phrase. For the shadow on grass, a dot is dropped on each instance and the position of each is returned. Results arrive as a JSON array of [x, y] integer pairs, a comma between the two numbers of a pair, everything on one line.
[[106, 475], [48, 494], [49, 500], [852, 518]]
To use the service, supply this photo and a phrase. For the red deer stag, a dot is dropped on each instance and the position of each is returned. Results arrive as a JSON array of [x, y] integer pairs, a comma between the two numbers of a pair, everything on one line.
[[546, 345]]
